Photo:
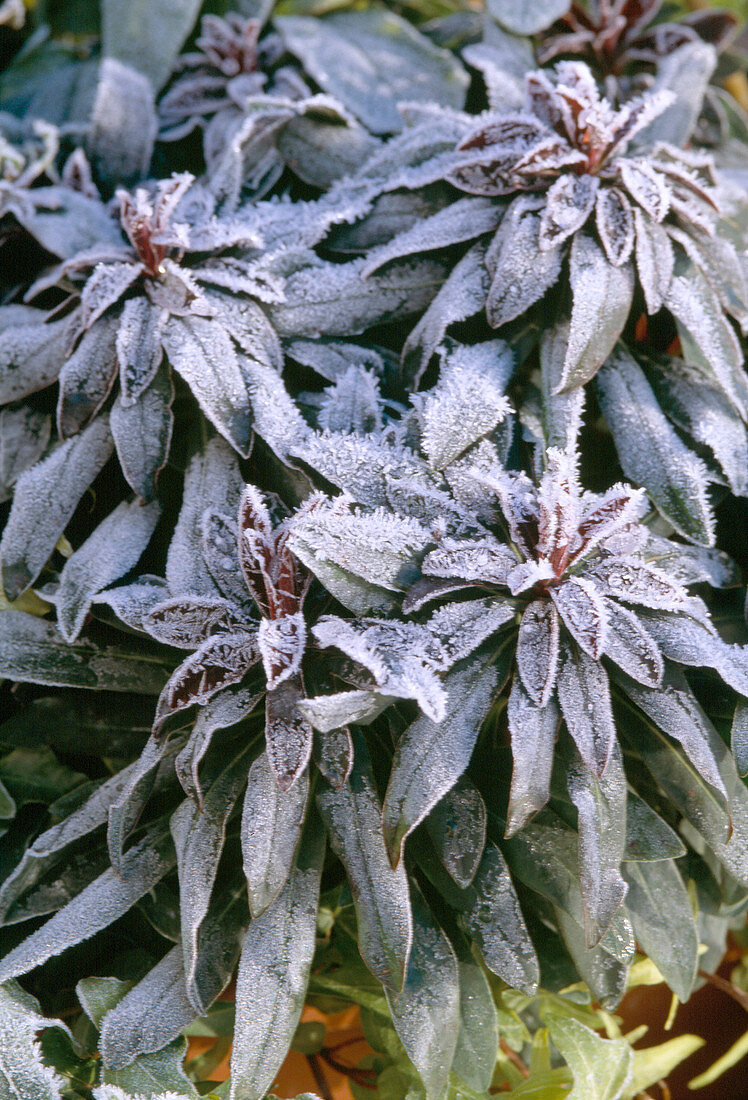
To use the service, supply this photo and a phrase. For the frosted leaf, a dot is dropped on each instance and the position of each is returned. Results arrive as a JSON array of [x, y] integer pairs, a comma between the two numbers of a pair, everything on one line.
[[139, 346], [130, 602], [24, 436], [360, 466], [142, 434], [371, 61], [527, 574], [583, 613], [31, 352], [220, 554], [105, 286], [108, 553], [462, 294], [615, 224], [378, 546], [520, 272], [202, 353], [328, 712], [352, 404], [275, 416], [114, 1092], [186, 622], [631, 647], [650, 450], [569, 203], [467, 402], [106, 899], [706, 335], [685, 74], [288, 735], [655, 261], [689, 642], [602, 301], [45, 498], [332, 299], [400, 656], [483, 560], [615, 511], [558, 507], [267, 572], [561, 413], [537, 650], [646, 186], [674, 709], [584, 695], [282, 642], [427, 590], [637, 582], [739, 736], [212, 478], [228, 708], [271, 826], [221, 660], [517, 496], [86, 378], [332, 358], [502, 60], [462, 627], [22, 1069], [691, 564], [463, 220], [533, 731]]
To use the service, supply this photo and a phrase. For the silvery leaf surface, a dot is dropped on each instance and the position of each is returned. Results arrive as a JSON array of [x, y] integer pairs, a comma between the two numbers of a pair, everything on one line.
[[125, 810], [462, 295], [193, 344], [602, 297], [686, 73], [274, 972], [372, 61], [660, 911], [631, 647], [467, 402], [533, 731], [107, 283], [561, 412], [199, 833], [130, 602], [478, 1035], [142, 434], [333, 755], [187, 622], [272, 821], [353, 817], [32, 352], [579, 602], [688, 641], [605, 968], [537, 650], [352, 404], [224, 710], [402, 657], [21, 1063], [87, 377], [212, 480], [634, 581], [655, 260], [460, 628], [97, 906], [431, 756], [123, 124], [520, 272], [535, 16], [426, 1012], [651, 452], [739, 736], [328, 712], [45, 498], [24, 437], [569, 202], [138, 345], [288, 735], [601, 809], [614, 218], [584, 695], [112, 549], [362, 466], [161, 32]]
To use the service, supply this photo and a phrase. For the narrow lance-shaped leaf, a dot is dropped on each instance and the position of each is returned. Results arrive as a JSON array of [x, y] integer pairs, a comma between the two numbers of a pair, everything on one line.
[[21, 1063], [533, 731], [272, 821], [584, 694], [601, 809], [142, 434], [101, 903], [662, 917], [478, 1036], [274, 972], [45, 498], [426, 1012], [353, 817], [605, 967], [431, 756], [457, 829], [739, 736], [601, 1068]]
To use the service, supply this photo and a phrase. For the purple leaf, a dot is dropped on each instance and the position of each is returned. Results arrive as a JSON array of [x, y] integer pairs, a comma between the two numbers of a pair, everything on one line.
[[187, 622]]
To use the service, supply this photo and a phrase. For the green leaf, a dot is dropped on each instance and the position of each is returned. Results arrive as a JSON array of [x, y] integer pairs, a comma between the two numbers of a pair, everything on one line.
[[457, 829], [732, 1057], [648, 837], [431, 756], [605, 967], [272, 821], [7, 805], [98, 995], [274, 972], [650, 450], [660, 911], [36, 775], [353, 818], [602, 1068], [33, 651], [653, 1064], [529, 17], [426, 1013], [153, 1074], [478, 1035], [371, 61], [147, 34]]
